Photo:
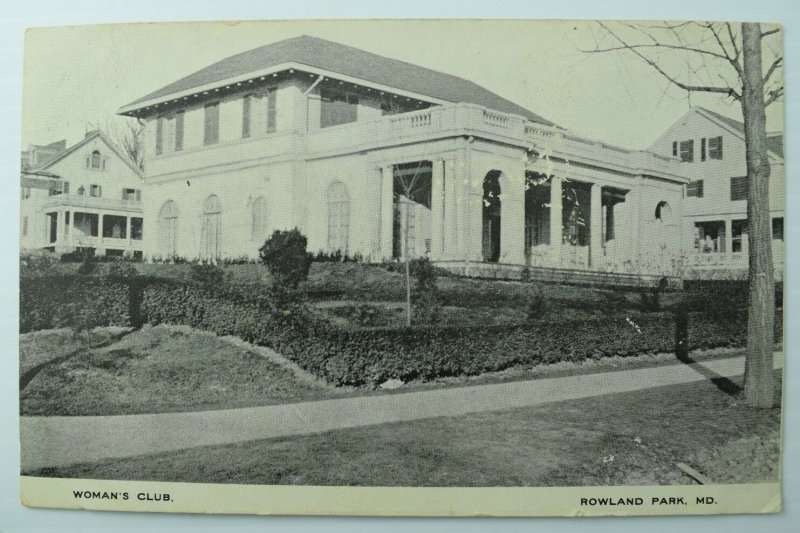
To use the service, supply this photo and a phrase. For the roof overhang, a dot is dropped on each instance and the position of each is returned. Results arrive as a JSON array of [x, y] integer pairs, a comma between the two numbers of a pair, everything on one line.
[[151, 106]]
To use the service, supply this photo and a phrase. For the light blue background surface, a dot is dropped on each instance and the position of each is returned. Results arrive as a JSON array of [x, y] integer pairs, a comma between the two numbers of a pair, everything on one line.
[[16, 15]]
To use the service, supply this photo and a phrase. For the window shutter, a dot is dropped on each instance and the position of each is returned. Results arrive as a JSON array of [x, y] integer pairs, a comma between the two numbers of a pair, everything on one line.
[[99, 191], [703, 149], [271, 110], [246, 104], [212, 123], [159, 135], [179, 131], [675, 148], [138, 195], [66, 187]]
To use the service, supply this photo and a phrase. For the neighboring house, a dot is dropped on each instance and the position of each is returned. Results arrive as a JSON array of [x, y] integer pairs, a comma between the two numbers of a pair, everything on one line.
[[39, 155], [712, 150], [378, 157], [88, 196]]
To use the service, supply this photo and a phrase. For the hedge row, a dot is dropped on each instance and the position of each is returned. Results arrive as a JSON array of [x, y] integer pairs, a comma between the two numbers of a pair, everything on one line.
[[67, 300], [360, 356]]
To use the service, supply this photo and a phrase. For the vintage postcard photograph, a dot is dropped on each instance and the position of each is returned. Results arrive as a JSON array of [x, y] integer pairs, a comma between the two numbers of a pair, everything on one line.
[[403, 267]]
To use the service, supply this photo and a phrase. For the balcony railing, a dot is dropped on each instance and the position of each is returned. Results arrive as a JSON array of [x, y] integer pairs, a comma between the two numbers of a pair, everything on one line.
[[468, 119], [78, 200]]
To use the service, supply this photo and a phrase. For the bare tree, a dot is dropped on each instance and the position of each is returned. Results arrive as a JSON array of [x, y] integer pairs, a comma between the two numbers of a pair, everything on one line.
[[728, 60], [128, 134]]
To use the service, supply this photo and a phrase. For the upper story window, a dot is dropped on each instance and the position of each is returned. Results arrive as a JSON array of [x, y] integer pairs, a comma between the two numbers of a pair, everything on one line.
[[259, 113], [211, 124], [715, 147], [686, 152], [59, 187], [739, 188], [96, 190], [337, 107], [169, 133], [95, 161], [26, 193], [694, 189], [132, 195]]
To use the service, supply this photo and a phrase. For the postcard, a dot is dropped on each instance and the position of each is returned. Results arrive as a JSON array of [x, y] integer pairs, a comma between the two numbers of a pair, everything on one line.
[[403, 267]]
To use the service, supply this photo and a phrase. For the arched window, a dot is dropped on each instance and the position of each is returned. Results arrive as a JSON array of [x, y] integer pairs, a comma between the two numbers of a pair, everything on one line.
[[168, 229], [338, 217], [211, 245], [97, 161], [259, 222], [664, 212]]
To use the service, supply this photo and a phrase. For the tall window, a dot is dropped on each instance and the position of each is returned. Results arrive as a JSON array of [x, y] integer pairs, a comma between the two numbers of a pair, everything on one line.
[[664, 213], [169, 133], [168, 229], [259, 222], [338, 107], [338, 217], [212, 228], [211, 129], [687, 151], [715, 147], [24, 226], [739, 188], [259, 113]]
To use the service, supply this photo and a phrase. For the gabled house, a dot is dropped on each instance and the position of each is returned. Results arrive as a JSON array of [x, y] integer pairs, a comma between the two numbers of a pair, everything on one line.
[[711, 148], [88, 196], [377, 157]]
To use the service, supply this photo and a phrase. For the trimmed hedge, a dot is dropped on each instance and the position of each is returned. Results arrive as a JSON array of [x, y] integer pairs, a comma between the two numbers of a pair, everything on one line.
[[361, 356], [67, 300]]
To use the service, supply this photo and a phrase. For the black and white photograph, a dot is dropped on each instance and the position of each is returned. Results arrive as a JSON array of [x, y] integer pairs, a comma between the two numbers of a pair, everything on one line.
[[464, 262]]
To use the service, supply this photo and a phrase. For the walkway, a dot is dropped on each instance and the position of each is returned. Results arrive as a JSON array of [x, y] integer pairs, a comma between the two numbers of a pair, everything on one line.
[[58, 441]]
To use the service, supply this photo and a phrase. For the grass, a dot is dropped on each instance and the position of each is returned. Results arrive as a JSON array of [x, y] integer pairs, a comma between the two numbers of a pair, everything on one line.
[[631, 438], [161, 369], [40, 347]]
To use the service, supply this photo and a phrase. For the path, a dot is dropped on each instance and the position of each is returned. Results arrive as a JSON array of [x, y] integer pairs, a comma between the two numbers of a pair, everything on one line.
[[58, 441]]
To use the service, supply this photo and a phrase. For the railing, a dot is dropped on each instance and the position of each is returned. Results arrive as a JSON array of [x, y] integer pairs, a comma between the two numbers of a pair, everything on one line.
[[700, 259], [78, 200], [460, 119]]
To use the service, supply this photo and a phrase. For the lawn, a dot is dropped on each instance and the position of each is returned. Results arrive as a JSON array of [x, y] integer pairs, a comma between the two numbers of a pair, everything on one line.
[[620, 439], [40, 347], [160, 369]]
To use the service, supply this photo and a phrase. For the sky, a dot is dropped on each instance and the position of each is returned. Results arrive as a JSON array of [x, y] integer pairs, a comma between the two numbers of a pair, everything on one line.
[[613, 97]]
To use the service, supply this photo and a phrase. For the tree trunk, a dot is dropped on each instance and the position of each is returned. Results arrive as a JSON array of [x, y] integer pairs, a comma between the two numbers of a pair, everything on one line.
[[758, 380]]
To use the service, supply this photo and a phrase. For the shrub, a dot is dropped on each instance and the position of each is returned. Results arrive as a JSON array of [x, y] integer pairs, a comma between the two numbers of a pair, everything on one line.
[[425, 301], [36, 262], [537, 305], [207, 275], [285, 255]]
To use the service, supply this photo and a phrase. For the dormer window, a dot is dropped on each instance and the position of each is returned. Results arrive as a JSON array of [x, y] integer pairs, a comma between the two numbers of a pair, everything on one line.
[[96, 161]]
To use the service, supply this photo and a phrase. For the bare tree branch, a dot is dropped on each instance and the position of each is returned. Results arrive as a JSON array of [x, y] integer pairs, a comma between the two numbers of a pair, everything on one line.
[[769, 32], [772, 68], [728, 91], [773, 96]]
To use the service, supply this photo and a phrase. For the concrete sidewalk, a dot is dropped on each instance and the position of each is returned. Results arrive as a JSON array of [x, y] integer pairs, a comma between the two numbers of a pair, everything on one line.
[[58, 441]]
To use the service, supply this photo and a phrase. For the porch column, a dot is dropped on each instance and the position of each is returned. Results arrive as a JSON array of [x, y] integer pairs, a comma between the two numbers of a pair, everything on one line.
[[61, 227], [728, 235], [596, 226], [512, 219], [99, 230], [556, 219], [437, 209], [387, 210]]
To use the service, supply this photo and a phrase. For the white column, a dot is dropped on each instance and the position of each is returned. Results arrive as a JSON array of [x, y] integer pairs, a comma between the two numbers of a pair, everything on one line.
[[556, 219], [437, 209], [387, 210], [728, 235], [512, 220], [596, 227], [100, 230]]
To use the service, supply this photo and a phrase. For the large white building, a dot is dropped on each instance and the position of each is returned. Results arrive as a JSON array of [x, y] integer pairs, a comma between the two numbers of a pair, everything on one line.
[[711, 148], [88, 196], [377, 157]]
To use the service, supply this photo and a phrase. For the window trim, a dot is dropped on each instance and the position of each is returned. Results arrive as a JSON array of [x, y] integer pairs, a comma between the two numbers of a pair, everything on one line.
[[695, 186]]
